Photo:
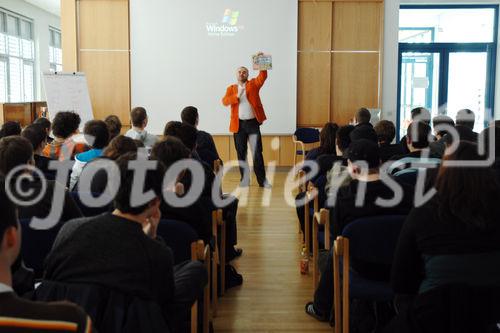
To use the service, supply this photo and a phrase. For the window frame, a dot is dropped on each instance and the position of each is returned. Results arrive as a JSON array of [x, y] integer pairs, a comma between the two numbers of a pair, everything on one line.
[[53, 65]]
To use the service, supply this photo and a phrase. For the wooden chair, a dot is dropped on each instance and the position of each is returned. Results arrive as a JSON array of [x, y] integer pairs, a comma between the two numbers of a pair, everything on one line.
[[301, 138], [218, 257], [370, 239], [319, 218], [311, 195], [200, 251]]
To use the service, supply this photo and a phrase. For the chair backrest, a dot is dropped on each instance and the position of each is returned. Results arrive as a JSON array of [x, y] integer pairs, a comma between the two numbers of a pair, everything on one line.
[[111, 311], [178, 236], [373, 239], [91, 211], [307, 135], [36, 245]]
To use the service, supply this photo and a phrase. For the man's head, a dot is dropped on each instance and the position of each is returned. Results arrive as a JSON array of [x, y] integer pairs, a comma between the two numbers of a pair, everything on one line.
[[169, 151], [10, 128], [119, 146], [189, 115], [36, 135], [14, 151], [114, 126], [442, 125], [363, 116], [343, 139], [466, 117], [417, 135], [10, 232], [45, 123], [242, 74], [363, 157], [65, 124], [96, 133], [421, 114], [186, 133], [151, 181], [139, 117], [386, 131]]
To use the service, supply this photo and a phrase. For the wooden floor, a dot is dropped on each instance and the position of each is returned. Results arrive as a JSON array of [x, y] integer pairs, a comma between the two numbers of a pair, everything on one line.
[[274, 293]]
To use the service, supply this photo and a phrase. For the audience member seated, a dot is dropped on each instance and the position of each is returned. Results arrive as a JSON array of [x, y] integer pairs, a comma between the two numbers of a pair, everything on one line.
[[453, 238], [363, 127], [63, 147], [386, 132], [47, 126], [417, 141], [442, 125], [326, 142], [485, 137], [362, 154], [417, 114], [121, 250], [20, 315], [16, 151], [205, 145], [465, 120], [117, 147], [97, 135], [139, 119], [114, 126], [37, 136], [10, 128]]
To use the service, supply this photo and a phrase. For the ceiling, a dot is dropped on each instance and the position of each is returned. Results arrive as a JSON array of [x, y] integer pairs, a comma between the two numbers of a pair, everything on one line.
[[52, 6]]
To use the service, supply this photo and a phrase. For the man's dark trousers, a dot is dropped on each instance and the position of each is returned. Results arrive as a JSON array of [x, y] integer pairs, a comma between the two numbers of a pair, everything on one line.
[[249, 130]]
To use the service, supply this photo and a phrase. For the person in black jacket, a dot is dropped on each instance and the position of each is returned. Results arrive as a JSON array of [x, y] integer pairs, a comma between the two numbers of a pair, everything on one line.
[[37, 135], [121, 250], [363, 165], [386, 132]]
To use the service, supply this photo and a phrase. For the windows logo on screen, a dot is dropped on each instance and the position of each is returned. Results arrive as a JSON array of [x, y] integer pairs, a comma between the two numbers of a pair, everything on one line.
[[227, 27], [230, 17]]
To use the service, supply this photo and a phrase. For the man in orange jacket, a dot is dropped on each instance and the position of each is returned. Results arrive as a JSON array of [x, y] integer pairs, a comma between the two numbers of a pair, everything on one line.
[[247, 114]]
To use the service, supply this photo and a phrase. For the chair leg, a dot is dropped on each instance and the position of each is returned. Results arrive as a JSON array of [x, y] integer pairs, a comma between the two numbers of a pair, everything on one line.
[[223, 259]]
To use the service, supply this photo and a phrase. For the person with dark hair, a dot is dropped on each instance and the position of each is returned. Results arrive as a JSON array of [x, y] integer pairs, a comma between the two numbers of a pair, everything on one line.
[[10, 128], [37, 136], [417, 140], [205, 145], [139, 120], [16, 151], [64, 126], [114, 126], [442, 125], [453, 238], [465, 117], [96, 133], [125, 253], [247, 114], [47, 126], [326, 142], [363, 166], [21, 315], [417, 114], [362, 116], [343, 140], [386, 132]]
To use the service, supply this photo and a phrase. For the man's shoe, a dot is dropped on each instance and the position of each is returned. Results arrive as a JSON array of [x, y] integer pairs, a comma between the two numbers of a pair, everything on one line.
[[265, 185]]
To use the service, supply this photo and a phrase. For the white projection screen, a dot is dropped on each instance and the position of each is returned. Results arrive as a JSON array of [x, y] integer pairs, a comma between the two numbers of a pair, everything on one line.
[[186, 52]]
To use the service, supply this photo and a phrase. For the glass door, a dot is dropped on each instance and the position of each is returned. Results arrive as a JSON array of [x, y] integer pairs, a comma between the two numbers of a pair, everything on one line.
[[419, 84]]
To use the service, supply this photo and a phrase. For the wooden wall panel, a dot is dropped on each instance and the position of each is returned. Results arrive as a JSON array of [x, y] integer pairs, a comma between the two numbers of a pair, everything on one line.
[[108, 80], [357, 26], [286, 151], [360, 90], [271, 149], [222, 143], [313, 89], [69, 33], [317, 36], [104, 24]]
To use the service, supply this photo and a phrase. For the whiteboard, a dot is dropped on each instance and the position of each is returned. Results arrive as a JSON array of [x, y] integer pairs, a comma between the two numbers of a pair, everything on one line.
[[68, 92], [186, 52]]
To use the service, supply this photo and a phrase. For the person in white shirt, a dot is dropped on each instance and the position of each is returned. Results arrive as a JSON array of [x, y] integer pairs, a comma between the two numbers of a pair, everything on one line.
[[139, 119]]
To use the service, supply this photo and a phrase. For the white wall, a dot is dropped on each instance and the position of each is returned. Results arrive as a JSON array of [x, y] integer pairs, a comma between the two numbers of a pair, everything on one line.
[[41, 20], [390, 70]]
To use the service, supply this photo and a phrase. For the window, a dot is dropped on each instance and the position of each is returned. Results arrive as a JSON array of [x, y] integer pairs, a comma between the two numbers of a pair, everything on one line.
[[447, 57], [55, 50], [17, 58]]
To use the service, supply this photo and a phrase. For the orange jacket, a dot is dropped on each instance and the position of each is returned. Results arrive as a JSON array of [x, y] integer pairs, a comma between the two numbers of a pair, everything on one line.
[[252, 88]]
